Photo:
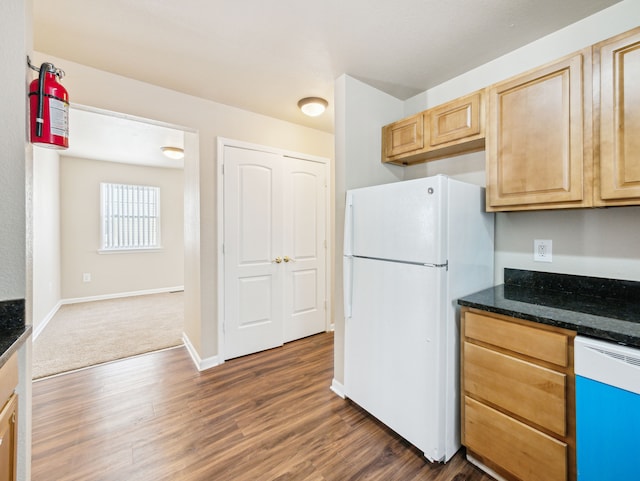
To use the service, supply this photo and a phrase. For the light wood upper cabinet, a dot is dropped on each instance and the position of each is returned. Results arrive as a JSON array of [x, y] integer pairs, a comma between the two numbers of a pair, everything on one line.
[[452, 128], [617, 81], [403, 136], [456, 120], [538, 138]]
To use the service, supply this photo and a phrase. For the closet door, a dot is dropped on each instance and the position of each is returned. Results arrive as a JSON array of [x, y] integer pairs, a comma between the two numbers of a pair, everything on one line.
[[274, 250], [304, 248], [252, 251]]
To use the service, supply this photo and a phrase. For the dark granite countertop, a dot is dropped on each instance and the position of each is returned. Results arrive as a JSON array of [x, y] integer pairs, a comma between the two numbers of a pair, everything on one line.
[[607, 309], [13, 332]]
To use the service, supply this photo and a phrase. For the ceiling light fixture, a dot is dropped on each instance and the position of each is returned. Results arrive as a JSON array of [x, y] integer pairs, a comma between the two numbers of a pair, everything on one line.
[[175, 153], [312, 106]]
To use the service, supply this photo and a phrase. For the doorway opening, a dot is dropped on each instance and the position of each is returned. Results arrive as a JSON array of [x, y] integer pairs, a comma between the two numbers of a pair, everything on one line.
[[69, 270]]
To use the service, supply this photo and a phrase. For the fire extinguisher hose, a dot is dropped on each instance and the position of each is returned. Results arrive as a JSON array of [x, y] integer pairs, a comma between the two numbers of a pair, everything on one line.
[[39, 120]]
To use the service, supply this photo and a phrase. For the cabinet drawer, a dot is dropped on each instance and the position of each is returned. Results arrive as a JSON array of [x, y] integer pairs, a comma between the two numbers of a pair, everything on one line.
[[538, 343], [521, 450], [529, 391], [8, 378]]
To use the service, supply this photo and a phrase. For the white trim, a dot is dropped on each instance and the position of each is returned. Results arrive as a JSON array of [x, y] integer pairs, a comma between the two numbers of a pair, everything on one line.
[[117, 295], [130, 250], [201, 364], [338, 388], [223, 142], [38, 330]]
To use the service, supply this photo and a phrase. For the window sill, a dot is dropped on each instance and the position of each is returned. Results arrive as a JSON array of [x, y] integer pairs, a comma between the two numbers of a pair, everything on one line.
[[130, 251]]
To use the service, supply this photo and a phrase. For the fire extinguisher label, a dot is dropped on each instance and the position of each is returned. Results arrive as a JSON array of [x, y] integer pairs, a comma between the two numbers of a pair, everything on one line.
[[59, 112]]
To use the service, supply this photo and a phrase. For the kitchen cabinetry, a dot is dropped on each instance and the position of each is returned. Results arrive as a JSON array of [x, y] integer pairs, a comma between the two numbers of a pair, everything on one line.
[[617, 162], [539, 138], [518, 406], [449, 129], [8, 421], [403, 136]]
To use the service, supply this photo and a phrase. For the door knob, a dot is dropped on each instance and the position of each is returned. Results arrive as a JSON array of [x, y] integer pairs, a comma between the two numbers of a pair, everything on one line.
[[288, 259], [277, 260]]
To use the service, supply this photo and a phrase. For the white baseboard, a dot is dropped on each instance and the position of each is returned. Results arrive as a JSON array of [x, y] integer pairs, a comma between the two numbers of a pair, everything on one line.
[[117, 295], [201, 364], [338, 388], [43, 323]]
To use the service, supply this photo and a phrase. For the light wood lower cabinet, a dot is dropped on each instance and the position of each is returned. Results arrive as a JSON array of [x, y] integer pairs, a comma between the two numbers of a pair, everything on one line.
[[518, 408], [8, 439], [8, 419]]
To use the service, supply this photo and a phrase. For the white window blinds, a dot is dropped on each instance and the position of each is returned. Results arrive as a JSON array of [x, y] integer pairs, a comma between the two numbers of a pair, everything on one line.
[[130, 217]]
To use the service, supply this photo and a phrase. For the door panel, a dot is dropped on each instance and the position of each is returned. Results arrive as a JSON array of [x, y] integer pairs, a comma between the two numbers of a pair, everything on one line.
[[274, 250], [304, 240], [253, 205]]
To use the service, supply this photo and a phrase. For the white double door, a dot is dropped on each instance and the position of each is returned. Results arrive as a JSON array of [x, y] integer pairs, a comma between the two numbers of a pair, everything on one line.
[[274, 249]]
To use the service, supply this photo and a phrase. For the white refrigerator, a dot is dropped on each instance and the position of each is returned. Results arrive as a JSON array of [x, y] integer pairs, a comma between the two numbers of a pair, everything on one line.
[[411, 249]]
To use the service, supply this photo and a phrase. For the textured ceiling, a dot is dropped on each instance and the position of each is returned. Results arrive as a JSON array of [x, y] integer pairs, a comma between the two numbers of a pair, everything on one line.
[[264, 56]]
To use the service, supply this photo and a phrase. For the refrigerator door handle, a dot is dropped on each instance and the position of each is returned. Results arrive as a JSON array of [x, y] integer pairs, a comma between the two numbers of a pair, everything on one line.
[[347, 285], [348, 226]]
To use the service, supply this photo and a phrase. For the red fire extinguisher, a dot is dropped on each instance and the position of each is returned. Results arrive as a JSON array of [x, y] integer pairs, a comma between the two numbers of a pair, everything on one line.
[[49, 106]]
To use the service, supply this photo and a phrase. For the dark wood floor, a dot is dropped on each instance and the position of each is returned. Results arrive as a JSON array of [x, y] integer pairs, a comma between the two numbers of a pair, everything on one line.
[[268, 416]]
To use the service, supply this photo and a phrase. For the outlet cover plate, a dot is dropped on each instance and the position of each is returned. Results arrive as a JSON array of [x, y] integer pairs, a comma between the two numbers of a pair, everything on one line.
[[543, 250]]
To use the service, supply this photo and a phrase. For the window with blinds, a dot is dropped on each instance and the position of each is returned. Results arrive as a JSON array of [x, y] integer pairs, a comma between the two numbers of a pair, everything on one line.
[[130, 217]]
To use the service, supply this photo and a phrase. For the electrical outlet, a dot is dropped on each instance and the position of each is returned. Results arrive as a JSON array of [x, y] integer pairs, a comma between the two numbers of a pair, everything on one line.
[[542, 250], [86, 277]]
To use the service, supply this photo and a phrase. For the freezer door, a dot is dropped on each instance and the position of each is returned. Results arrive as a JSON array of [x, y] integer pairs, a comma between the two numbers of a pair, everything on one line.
[[404, 221], [394, 349]]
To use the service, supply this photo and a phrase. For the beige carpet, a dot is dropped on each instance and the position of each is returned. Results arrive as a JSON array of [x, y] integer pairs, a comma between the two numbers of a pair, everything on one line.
[[90, 333]]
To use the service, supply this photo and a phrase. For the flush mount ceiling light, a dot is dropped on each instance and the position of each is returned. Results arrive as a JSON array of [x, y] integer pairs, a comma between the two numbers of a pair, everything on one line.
[[312, 106], [175, 153]]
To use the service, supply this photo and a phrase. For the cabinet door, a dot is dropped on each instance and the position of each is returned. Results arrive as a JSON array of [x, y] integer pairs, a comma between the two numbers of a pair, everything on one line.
[[619, 162], [403, 136], [535, 153], [456, 120], [8, 435]]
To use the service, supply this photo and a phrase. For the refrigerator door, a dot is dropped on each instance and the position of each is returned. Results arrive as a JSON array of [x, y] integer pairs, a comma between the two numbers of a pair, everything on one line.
[[402, 221], [393, 356]]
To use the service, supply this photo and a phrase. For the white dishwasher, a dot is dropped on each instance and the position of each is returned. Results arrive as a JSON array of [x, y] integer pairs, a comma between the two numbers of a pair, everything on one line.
[[607, 410]]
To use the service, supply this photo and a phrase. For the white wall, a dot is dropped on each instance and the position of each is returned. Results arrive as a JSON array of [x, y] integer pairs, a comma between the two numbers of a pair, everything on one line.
[[46, 234], [596, 242], [15, 190], [95, 88], [12, 150]]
